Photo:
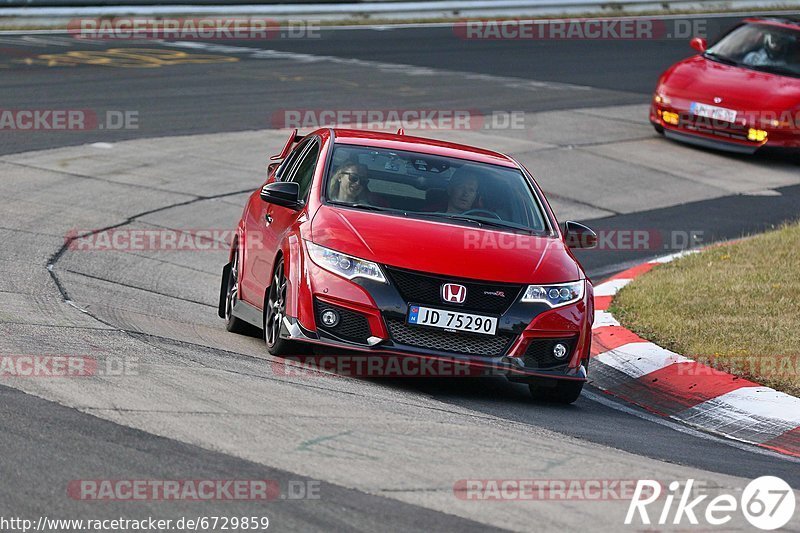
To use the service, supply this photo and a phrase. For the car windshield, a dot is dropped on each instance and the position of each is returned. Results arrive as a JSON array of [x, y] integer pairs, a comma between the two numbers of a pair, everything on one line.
[[761, 47], [428, 187]]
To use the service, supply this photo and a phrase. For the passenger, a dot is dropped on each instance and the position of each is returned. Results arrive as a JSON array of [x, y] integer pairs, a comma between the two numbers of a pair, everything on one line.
[[462, 191]]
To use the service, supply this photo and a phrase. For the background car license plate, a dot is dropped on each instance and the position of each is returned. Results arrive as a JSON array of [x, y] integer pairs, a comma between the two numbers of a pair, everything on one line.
[[712, 111], [441, 318]]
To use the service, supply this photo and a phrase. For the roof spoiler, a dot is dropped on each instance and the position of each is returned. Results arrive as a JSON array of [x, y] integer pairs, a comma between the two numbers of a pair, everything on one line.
[[293, 139]]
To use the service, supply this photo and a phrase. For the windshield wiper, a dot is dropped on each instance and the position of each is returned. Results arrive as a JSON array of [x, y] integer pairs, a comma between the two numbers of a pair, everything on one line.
[[720, 59], [366, 207], [478, 222], [776, 70], [481, 222]]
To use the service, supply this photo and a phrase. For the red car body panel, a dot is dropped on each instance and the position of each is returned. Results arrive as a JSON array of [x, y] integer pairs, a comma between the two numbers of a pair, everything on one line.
[[416, 244], [422, 145], [758, 97], [419, 245]]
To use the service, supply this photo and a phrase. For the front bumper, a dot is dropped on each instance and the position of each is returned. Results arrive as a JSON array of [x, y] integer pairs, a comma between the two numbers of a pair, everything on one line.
[[362, 362], [383, 309], [720, 135]]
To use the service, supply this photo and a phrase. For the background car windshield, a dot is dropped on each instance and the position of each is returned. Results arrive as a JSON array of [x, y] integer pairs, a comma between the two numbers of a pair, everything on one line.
[[427, 186], [761, 47]]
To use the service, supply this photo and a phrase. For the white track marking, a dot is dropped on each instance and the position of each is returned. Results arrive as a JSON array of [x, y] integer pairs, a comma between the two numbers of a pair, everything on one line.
[[611, 287], [603, 319], [640, 358], [758, 401], [682, 428], [671, 257]]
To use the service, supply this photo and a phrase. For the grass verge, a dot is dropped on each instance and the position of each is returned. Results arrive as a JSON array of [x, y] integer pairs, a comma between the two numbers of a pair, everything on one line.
[[734, 307]]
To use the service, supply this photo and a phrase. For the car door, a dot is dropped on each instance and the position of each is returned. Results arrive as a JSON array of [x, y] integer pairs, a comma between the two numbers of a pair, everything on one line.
[[277, 220], [260, 243]]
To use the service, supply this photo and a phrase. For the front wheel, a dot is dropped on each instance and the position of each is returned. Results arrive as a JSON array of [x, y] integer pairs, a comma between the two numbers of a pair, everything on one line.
[[274, 313], [564, 392]]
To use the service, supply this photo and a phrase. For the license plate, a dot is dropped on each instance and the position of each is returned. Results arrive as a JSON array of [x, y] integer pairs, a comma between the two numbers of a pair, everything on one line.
[[713, 112], [452, 320]]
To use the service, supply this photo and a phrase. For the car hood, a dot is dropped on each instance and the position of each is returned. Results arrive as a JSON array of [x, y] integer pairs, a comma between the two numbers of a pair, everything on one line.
[[444, 249], [700, 79]]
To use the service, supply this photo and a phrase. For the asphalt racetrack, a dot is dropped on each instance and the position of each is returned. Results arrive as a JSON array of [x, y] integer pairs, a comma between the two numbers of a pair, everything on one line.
[[202, 403]]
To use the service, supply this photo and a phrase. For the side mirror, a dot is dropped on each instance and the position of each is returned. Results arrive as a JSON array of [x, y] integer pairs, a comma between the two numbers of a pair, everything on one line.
[[579, 236], [271, 168], [283, 193], [699, 44]]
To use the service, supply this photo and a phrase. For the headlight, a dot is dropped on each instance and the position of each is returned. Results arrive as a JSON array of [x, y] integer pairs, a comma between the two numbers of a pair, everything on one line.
[[345, 265], [555, 295], [661, 96]]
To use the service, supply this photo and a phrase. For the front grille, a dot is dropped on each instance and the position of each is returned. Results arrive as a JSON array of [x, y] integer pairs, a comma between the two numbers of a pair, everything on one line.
[[539, 353], [426, 289], [717, 128], [462, 343], [352, 326]]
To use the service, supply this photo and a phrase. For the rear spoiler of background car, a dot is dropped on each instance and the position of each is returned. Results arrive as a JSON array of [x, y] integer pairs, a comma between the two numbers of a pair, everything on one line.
[[293, 139]]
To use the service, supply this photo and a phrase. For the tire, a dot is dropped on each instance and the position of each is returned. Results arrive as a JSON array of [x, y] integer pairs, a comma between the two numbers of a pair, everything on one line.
[[233, 324], [565, 392], [659, 129], [274, 312]]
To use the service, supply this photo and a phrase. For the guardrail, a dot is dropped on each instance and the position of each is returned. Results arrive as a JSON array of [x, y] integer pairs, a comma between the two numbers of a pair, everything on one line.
[[365, 9]]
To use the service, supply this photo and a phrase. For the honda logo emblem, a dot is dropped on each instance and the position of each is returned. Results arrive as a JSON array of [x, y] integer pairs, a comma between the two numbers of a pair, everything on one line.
[[454, 293], [717, 100]]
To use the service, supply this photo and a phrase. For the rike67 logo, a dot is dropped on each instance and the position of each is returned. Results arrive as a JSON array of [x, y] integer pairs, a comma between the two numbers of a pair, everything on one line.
[[767, 503]]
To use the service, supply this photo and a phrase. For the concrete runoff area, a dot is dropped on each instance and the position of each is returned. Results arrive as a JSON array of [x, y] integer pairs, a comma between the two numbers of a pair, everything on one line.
[[197, 384]]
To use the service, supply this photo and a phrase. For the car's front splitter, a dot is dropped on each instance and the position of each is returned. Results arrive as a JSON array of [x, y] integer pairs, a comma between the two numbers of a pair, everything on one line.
[[439, 364]]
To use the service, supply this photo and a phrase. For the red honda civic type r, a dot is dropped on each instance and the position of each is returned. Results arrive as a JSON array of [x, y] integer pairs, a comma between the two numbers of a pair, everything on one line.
[[388, 244], [739, 95]]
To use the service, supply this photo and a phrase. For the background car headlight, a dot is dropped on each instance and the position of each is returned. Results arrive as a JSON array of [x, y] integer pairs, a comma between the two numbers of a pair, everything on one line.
[[661, 96], [554, 295], [345, 265]]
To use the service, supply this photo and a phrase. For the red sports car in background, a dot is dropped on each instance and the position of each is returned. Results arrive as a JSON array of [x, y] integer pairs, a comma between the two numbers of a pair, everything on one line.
[[741, 94], [388, 244]]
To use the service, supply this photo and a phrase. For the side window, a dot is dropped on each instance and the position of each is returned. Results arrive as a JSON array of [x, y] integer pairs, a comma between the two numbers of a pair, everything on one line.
[[303, 172], [287, 163]]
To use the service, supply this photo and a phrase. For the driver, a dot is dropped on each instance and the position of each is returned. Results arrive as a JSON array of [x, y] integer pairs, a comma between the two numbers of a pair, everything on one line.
[[349, 184], [462, 191], [772, 53]]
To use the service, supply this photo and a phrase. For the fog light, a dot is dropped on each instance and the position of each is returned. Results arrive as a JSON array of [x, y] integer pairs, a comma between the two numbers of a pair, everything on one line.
[[670, 117], [330, 318], [756, 135], [559, 351]]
